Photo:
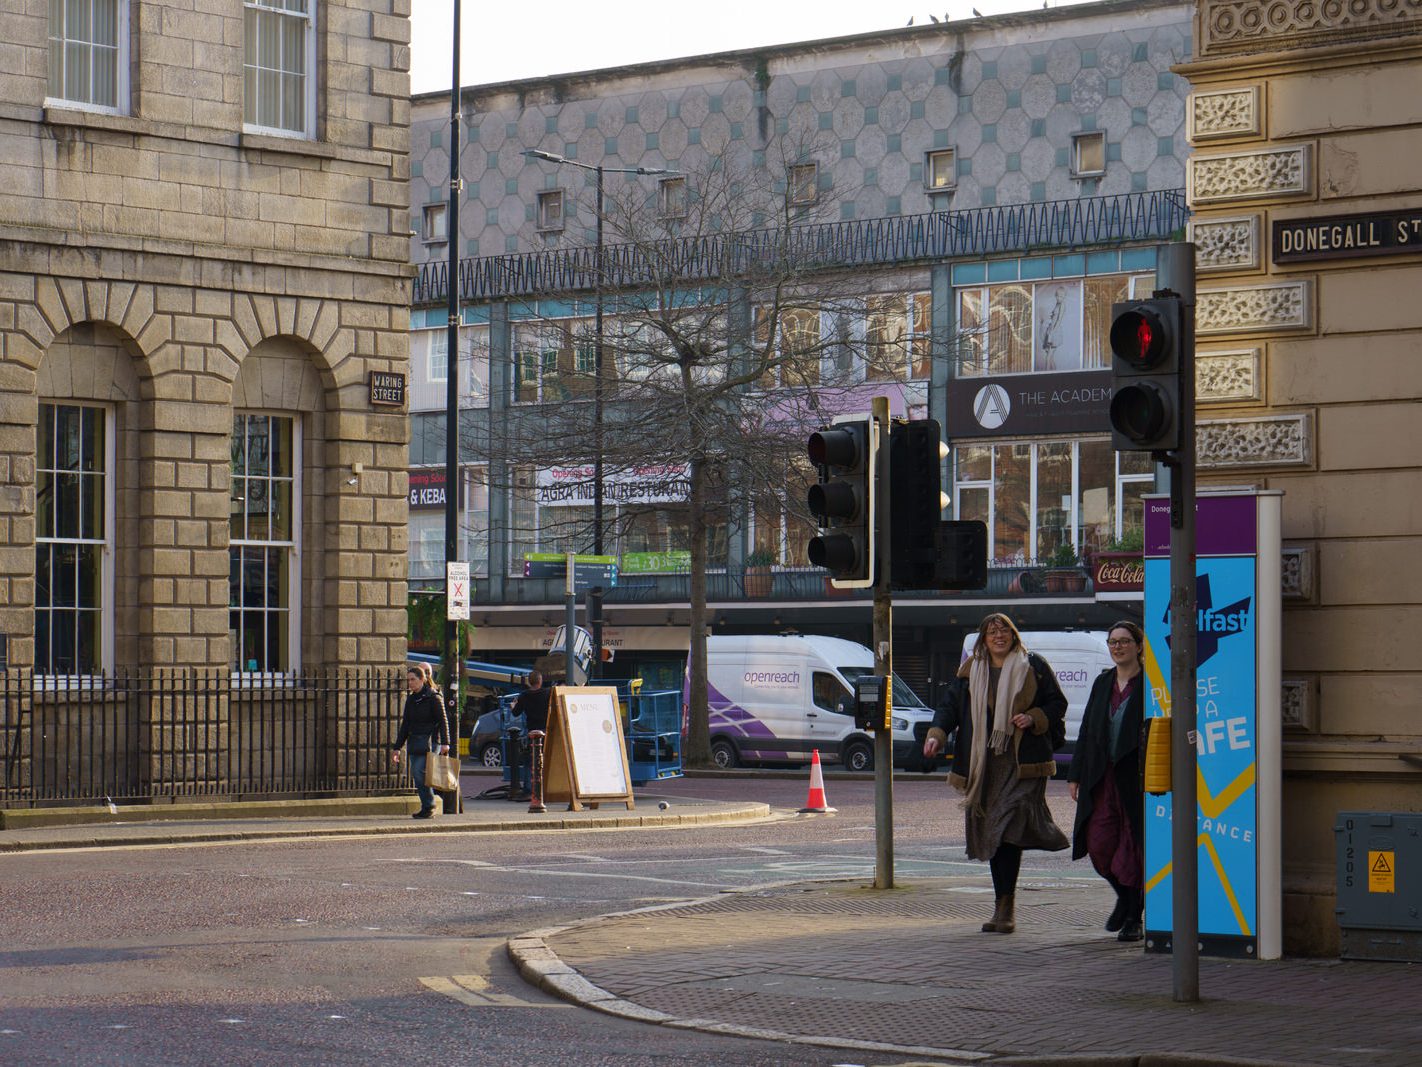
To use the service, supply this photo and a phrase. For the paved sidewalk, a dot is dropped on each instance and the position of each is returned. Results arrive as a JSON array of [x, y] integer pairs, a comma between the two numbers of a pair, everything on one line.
[[280, 820], [909, 971]]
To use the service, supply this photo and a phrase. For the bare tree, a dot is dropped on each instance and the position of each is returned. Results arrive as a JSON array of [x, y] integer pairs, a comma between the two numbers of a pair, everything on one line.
[[725, 339]]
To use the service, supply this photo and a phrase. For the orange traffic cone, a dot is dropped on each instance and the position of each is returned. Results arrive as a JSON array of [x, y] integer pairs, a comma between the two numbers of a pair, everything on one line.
[[815, 804]]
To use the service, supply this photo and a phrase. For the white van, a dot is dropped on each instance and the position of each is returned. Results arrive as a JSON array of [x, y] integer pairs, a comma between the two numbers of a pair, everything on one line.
[[1076, 657], [780, 697]]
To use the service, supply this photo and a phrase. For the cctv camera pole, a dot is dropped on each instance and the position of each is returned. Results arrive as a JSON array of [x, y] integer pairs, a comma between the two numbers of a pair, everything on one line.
[[1176, 272], [451, 416], [883, 656]]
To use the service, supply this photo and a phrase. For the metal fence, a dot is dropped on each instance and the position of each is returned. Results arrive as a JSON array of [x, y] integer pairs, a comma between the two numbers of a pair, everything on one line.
[[1084, 223], [174, 733]]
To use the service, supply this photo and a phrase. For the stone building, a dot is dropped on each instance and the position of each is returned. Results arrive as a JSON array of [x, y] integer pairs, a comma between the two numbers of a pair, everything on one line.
[[203, 246], [1305, 186]]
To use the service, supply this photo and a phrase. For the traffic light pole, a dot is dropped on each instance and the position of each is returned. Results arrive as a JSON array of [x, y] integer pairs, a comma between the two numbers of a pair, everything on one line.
[[883, 662], [1176, 272]]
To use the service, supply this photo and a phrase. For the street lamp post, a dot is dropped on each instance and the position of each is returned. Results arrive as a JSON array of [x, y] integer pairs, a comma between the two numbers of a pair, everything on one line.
[[595, 602]]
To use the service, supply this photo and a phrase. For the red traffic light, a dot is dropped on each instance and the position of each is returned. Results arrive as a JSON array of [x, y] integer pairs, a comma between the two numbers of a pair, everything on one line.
[[1140, 337]]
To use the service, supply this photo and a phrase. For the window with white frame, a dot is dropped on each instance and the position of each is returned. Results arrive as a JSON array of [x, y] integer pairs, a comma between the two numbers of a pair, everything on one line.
[[1024, 327], [550, 210], [802, 185], [434, 229], [73, 541], [279, 66], [897, 339], [1038, 496], [1088, 154], [437, 362], [671, 198], [940, 170], [265, 569], [88, 53]]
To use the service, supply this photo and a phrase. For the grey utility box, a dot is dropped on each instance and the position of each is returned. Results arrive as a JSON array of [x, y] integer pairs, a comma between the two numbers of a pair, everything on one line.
[[1380, 885]]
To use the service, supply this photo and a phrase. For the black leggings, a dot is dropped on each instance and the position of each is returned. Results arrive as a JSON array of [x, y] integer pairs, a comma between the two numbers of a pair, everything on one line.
[[1005, 864]]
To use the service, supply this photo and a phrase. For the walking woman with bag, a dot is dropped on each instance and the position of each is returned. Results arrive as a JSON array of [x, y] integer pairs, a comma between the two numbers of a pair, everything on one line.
[[1010, 715], [421, 723], [1105, 777]]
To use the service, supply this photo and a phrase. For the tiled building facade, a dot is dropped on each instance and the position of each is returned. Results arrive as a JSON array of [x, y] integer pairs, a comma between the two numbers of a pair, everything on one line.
[[1054, 139]]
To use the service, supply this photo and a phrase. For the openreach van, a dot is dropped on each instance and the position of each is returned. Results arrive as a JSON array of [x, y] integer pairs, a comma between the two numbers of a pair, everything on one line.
[[777, 698], [1076, 657]]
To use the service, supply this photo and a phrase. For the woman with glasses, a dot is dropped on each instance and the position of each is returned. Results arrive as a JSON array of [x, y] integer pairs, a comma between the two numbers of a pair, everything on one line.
[[1105, 777], [1010, 715]]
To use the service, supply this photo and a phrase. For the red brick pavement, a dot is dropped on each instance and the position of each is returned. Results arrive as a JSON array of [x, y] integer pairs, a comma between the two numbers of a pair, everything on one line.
[[909, 967]]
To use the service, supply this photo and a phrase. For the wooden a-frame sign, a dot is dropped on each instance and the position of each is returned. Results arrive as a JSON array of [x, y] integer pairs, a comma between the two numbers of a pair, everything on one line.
[[584, 752]]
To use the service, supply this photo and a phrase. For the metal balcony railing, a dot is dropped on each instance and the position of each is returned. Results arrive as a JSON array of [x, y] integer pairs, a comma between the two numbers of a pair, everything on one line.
[[1088, 222], [785, 584]]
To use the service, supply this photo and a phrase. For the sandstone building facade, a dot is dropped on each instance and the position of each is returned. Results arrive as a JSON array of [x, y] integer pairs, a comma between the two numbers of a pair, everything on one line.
[[202, 258], [1306, 200], [203, 245]]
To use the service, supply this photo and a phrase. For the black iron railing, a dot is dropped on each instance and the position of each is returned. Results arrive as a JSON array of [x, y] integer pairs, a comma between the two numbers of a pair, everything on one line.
[[171, 733], [1085, 223]]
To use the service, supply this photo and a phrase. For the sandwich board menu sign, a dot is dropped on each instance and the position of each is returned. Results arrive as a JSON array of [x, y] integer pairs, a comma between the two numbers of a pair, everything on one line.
[[585, 753]]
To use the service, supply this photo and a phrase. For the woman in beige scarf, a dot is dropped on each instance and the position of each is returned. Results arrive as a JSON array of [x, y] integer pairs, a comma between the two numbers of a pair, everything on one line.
[[1010, 716]]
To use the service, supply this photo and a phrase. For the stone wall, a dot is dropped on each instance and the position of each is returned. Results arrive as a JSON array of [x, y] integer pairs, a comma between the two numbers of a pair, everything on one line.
[[1310, 381], [172, 266]]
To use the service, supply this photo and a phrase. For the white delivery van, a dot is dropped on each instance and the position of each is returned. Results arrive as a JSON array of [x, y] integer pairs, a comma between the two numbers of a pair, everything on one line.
[[1076, 657], [779, 697]]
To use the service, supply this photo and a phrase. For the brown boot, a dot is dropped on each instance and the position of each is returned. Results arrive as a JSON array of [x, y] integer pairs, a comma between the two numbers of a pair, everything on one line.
[[1002, 918]]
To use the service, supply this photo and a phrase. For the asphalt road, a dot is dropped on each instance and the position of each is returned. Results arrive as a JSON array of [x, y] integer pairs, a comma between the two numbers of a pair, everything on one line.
[[379, 950]]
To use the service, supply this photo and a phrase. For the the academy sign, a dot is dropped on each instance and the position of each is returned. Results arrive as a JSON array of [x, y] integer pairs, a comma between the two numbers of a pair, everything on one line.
[[1024, 405]]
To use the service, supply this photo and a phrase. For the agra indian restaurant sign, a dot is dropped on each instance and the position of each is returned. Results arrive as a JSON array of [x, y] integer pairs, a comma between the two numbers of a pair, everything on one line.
[[1385, 233]]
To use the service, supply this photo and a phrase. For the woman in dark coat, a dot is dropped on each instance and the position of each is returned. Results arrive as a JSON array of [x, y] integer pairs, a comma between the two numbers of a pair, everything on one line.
[[421, 723], [1010, 715], [1105, 777]]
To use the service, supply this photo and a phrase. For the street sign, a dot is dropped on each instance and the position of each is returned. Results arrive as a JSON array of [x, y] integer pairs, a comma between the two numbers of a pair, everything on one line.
[[457, 591], [589, 572]]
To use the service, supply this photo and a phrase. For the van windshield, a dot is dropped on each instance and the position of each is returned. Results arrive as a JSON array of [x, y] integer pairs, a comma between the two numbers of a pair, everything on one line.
[[904, 697]]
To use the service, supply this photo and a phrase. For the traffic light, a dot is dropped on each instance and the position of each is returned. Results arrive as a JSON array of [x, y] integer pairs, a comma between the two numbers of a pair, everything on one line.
[[916, 503], [846, 454], [962, 555], [1146, 340]]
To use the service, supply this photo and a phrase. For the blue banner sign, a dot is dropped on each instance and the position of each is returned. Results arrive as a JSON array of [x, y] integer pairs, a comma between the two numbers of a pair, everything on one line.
[[1227, 724]]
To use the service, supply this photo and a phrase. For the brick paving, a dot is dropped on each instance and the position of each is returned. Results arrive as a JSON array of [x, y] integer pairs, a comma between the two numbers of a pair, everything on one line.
[[909, 967]]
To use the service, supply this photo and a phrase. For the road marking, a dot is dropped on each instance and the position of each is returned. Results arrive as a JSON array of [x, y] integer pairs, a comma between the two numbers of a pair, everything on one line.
[[766, 851], [473, 990]]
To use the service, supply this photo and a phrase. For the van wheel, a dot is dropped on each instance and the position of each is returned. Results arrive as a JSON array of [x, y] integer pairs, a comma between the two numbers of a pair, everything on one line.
[[858, 756], [723, 754]]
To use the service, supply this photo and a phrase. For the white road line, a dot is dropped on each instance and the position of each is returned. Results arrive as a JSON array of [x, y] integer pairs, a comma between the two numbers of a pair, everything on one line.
[[473, 990]]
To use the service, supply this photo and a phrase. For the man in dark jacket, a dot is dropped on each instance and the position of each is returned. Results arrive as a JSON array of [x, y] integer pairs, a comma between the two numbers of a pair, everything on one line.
[[532, 704], [421, 723]]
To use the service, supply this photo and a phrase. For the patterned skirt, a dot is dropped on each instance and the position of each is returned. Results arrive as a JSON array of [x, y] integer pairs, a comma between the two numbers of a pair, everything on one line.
[[1014, 810]]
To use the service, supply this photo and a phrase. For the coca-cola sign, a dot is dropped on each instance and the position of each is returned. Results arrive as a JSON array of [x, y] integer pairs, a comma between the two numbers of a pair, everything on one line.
[[1118, 572]]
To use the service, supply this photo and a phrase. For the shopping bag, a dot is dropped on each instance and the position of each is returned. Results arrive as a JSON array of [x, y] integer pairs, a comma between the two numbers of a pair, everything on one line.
[[442, 773]]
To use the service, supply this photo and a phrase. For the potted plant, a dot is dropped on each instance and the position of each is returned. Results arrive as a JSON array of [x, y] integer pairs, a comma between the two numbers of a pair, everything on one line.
[[1064, 573], [758, 578]]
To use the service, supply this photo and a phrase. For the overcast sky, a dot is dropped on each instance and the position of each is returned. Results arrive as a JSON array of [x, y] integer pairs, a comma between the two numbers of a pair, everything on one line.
[[507, 41]]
